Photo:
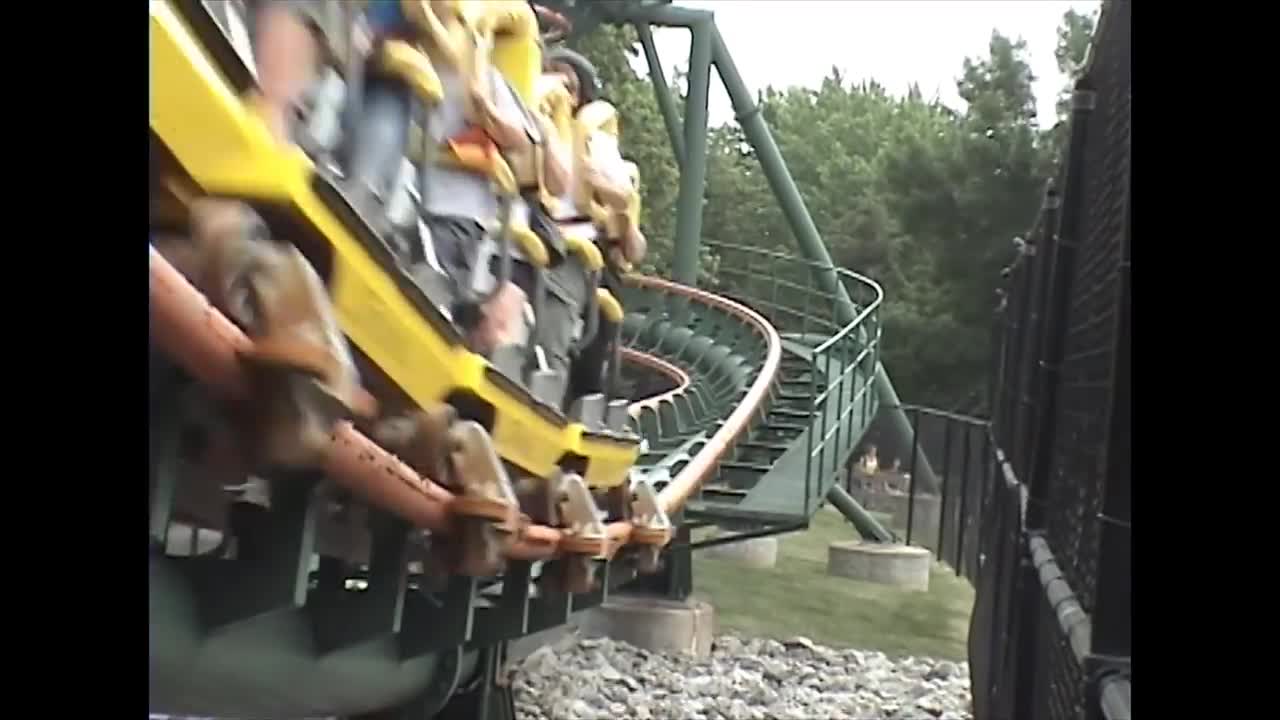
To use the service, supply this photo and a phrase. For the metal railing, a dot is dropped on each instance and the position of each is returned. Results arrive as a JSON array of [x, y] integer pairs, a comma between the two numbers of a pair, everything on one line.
[[839, 359], [1031, 641], [945, 521]]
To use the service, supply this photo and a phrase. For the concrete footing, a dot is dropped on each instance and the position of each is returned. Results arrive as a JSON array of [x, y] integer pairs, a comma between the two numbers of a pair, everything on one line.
[[759, 552], [654, 624], [901, 566]]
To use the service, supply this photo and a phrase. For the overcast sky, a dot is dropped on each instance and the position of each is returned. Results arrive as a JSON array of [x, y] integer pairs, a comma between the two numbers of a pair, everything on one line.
[[897, 42]]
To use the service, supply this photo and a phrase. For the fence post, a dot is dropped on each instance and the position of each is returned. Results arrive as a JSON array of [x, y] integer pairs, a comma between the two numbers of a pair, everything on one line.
[[944, 488], [996, 540], [986, 486], [1027, 655], [962, 524], [1009, 371], [1111, 646], [998, 344], [1033, 311], [911, 484], [1058, 295]]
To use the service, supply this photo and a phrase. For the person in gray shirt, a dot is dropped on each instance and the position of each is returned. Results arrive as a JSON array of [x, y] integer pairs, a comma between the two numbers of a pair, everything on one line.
[[459, 205]]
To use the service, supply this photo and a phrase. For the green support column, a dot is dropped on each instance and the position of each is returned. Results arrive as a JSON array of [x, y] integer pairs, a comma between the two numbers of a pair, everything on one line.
[[666, 101], [866, 525], [811, 245], [693, 175]]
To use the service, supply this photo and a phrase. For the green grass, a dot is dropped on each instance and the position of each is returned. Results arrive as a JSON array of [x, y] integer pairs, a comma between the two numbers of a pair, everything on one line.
[[797, 597]]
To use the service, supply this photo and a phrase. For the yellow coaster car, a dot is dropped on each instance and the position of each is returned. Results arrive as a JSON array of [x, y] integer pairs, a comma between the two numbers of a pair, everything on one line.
[[203, 135]]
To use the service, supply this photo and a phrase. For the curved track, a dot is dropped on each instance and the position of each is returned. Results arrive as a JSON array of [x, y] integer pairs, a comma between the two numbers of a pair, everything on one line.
[[764, 398], [740, 394], [770, 416]]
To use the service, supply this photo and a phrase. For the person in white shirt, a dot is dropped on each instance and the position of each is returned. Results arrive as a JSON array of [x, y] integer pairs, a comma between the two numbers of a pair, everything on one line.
[[608, 180]]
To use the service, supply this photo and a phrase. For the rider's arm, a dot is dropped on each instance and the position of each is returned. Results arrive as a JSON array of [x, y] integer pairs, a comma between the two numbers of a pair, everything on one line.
[[556, 160], [448, 44], [503, 117], [634, 244], [615, 195]]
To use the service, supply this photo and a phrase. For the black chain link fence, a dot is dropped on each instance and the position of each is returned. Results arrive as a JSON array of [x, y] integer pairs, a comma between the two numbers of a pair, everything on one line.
[[1050, 634], [1034, 506]]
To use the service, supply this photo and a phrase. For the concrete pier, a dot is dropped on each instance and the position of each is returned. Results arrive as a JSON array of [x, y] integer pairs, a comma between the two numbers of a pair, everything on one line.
[[652, 623], [901, 566], [759, 552]]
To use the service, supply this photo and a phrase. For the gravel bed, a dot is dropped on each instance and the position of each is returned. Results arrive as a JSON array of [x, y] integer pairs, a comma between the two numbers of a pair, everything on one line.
[[743, 679]]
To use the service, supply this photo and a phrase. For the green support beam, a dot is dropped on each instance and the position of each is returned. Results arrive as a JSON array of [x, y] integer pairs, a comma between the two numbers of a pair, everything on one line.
[[863, 522], [666, 101], [693, 175], [665, 15], [784, 188]]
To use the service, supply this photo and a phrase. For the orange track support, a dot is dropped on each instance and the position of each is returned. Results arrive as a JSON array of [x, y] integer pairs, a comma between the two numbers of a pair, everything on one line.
[[206, 344]]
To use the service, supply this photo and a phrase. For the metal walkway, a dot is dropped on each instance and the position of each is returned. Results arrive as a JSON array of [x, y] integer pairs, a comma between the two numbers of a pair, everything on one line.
[[820, 405], [776, 476]]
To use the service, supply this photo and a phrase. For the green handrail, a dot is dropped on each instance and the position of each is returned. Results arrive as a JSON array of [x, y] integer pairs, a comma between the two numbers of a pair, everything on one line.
[[840, 357]]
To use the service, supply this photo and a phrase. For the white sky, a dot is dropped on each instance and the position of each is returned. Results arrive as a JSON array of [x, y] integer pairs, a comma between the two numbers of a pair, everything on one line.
[[795, 42]]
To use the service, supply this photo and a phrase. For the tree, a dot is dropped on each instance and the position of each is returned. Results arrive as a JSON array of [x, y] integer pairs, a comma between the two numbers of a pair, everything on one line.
[[923, 198], [1074, 36]]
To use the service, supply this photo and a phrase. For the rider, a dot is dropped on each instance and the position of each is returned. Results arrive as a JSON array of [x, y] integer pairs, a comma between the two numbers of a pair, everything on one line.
[[563, 301], [580, 78], [550, 171], [459, 203], [290, 39]]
